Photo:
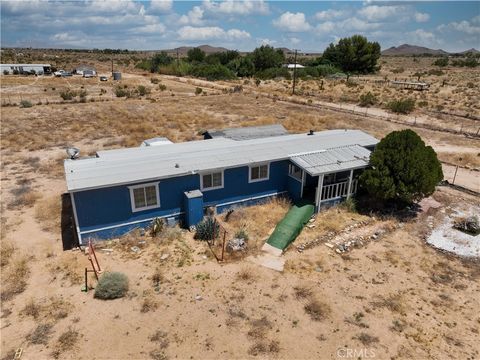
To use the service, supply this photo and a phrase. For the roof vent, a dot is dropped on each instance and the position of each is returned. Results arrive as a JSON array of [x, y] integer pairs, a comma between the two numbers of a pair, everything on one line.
[[73, 153], [311, 132], [177, 165]]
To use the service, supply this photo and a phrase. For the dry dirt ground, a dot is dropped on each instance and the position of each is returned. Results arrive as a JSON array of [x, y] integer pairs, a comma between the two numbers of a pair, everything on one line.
[[394, 297]]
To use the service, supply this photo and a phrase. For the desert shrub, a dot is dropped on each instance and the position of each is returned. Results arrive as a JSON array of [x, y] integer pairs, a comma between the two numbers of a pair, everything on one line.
[[157, 227], [436, 72], [366, 339], [258, 82], [25, 104], [68, 94], [119, 92], [66, 341], [198, 90], [162, 87], [317, 310], [443, 61], [367, 99], [154, 80], [111, 285], [14, 280], [41, 334], [6, 251], [423, 103], [402, 106], [207, 229], [398, 70], [142, 90], [470, 85], [402, 169]]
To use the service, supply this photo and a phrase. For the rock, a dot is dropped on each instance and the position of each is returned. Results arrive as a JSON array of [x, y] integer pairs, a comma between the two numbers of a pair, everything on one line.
[[198, 297], [164, 256], [204, 257], [107, 250], [318, 269], [329, 245], [236, 244], [135, 249]]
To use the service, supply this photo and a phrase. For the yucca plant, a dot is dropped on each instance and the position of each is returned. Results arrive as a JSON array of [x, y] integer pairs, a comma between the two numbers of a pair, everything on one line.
[[207, 229], [158, 225]]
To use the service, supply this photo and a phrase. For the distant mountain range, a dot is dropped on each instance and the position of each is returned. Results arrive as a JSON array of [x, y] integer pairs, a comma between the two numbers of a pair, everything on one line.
[[182, 50], [407, 49]]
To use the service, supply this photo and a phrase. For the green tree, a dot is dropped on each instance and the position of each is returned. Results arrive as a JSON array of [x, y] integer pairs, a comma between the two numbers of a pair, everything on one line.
[[160, 59], [266, 57], [443, 61], [402, 169], [196, 55], [242, 66], [354, 54]]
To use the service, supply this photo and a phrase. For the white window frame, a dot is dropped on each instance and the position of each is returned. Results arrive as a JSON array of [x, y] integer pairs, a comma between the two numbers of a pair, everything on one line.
[[132, 198], [202, 174], [250, 167], [291, 167]]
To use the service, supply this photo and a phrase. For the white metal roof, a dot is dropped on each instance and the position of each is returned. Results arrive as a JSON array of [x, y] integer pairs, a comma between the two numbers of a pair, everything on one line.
[[123, 166], [332, 160], [44, 65]]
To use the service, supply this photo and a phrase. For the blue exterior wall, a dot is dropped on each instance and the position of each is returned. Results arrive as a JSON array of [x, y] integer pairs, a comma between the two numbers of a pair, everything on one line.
[[111, 207], [294, 188]]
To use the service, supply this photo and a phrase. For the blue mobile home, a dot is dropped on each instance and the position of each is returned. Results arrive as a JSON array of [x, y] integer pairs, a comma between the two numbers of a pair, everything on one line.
[[118, 190]]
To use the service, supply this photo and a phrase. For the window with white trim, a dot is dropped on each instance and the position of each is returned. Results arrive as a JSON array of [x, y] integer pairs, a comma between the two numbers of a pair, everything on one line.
[[212, 180], [144, 197], [295, 172], [259, 172]]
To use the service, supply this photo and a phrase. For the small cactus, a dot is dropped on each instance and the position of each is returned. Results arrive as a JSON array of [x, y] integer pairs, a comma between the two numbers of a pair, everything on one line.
[[207, 229]]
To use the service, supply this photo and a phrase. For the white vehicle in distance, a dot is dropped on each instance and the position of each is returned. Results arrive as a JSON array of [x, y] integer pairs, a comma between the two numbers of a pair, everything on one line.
[[59, 73]]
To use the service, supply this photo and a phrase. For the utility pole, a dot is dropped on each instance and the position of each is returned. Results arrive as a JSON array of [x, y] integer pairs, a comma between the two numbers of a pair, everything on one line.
[[177, 57], [112, 66], [294, 72]]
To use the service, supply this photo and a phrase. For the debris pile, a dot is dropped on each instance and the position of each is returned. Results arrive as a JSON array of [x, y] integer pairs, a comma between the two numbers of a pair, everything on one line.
[[236, 244], [467, 224]]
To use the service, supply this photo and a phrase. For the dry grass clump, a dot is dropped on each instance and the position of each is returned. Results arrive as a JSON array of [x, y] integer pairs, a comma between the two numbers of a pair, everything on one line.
[[24, 196], [68, 268], [335, 219], [264, 348], [259, 328], [66, 342], [366, 339], [160, 338], [48, 213], [393, 302], [302, 292], [53, 309], [41, 334], [14, 278], [6, 252], [317, 310], [148, 302], [246, 274]]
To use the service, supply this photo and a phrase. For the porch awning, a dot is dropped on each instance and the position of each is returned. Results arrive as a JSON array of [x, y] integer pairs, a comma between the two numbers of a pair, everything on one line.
[[332, 160]]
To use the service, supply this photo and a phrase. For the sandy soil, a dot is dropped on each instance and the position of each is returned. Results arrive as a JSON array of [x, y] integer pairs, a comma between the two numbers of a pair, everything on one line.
[[394, 296]]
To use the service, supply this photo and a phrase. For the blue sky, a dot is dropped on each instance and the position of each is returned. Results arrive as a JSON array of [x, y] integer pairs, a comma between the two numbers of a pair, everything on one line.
[[305, 25]]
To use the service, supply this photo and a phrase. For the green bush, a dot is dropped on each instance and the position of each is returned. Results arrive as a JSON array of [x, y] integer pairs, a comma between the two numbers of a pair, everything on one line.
[[142, 90], [25, 104], [119, 92], [367, 99], [162, 87], [436, 72], [198, 90], [111, 285], [402, 106], [443, 61], [207, 229], [68, 94], [241, 234], [402, 169]]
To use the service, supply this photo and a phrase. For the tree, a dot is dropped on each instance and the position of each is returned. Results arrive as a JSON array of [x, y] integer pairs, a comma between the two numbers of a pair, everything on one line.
[[266, 57], [354, 54], [402, 169], [443, 61], [160, 59], [196, 55], [242, 66]]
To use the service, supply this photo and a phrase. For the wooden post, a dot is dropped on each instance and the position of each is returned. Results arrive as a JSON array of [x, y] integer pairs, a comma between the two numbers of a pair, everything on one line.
[[223, 244], [319, 192], [350, 184], [455, 176]]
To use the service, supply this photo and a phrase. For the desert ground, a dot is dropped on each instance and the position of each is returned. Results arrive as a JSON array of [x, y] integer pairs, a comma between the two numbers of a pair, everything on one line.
[[392, 296]]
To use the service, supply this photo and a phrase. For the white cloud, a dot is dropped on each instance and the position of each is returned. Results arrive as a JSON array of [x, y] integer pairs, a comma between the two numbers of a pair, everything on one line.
[[464, 26], [157, 28], [292, 22], [235, 7], [295, 41], [423, 37], [161, 5], [421, 17], [326, 27], [210, 32], [194, 17], [378, 13], [330, 14], [266, 41]]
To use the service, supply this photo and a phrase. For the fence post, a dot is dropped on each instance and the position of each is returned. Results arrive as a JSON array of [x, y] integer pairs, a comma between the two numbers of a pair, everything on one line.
[[455, 176]]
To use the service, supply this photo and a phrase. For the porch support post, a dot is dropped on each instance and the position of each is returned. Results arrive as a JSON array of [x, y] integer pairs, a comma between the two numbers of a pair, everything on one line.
[[350, 184], [303, 183], [318, 200]]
